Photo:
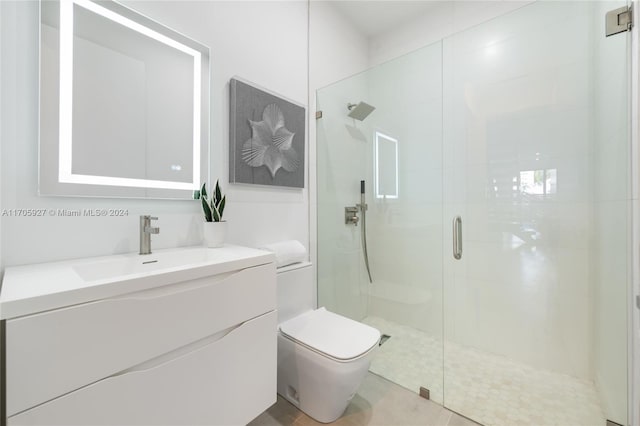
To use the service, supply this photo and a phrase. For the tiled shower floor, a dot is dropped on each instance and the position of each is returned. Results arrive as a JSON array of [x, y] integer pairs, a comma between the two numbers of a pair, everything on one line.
[[487, 388]]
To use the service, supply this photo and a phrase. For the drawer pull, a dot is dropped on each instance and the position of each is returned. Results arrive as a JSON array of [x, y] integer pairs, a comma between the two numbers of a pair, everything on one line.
[[169, 290], [177, 353]]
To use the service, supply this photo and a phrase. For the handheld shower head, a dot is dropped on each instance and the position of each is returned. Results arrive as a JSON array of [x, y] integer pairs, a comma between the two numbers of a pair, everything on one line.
[[360, 111]]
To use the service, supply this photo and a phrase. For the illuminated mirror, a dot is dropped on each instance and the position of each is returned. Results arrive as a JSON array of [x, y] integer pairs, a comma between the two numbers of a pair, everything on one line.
[[386, 166], [124, 104]]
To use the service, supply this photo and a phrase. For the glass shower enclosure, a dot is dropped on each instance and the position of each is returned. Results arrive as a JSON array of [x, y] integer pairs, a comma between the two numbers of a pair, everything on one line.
[[497, 176]]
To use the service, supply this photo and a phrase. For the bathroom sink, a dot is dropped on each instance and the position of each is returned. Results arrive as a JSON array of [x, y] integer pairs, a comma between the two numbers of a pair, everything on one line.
[[40, 287], [134, 264]]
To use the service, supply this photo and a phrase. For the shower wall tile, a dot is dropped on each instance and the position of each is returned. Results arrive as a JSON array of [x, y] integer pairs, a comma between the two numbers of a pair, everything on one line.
[[526, 314], [424, 185], [442, 20], [346, 292], [517, 44], [534, 224], [517, 99], [611, 173], [537, 134]]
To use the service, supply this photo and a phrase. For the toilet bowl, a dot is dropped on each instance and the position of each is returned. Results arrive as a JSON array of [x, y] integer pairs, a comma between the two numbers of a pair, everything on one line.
[[322, 356]]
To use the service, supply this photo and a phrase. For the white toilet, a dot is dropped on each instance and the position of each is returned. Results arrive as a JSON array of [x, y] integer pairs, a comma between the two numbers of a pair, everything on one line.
[[322, 357]]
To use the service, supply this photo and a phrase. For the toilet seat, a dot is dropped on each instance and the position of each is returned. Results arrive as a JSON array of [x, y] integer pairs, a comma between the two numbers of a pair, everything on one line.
[[331, 335]]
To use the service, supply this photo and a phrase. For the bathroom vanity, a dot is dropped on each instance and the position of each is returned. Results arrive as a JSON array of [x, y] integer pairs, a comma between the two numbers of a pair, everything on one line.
[[182, 336]]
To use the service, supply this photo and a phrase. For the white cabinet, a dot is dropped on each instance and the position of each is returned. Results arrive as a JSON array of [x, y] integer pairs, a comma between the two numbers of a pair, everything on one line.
[[227, 381], [201, 351]]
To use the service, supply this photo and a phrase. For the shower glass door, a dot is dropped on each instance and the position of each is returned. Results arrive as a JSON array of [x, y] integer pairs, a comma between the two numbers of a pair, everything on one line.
[[519, 127], [397, 151], [536, 164]]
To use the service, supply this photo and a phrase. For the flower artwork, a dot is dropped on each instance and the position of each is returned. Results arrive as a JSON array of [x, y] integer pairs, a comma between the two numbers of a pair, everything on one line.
[[267, 138], [271, 143]]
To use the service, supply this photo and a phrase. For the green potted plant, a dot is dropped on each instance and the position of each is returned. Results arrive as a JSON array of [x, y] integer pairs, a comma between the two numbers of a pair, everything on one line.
[[215, 229]]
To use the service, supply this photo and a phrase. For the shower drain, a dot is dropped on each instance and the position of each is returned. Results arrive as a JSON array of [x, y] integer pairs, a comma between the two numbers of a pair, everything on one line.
[[383, 339]]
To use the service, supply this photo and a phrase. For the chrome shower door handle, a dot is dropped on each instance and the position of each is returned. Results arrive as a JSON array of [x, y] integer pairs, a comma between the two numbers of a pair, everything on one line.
[[457, 237]]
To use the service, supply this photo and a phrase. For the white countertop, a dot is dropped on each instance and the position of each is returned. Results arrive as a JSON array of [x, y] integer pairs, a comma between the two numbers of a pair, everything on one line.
[[40, 287]]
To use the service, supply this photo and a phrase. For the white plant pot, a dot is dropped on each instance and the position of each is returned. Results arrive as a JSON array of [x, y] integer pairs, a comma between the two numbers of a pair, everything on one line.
[[215, 233]]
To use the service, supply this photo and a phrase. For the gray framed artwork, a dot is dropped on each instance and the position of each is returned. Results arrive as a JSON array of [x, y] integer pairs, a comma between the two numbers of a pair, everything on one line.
[[266, 137]]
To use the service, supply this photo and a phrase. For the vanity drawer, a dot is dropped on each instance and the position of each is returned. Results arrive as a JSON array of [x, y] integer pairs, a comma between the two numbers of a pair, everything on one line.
[[219, 383], [56, 352]]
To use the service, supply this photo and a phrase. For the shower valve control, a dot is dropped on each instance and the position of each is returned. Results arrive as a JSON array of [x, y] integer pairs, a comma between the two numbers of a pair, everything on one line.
[[351, 216]]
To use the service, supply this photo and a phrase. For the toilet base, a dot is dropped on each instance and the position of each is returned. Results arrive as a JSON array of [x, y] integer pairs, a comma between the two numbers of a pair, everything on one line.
[[318, 385]]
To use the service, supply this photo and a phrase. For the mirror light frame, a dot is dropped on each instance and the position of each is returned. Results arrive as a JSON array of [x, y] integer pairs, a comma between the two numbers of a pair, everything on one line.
[[116, 12]]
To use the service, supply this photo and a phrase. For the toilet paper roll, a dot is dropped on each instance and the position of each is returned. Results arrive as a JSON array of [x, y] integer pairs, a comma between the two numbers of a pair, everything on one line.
[[287, 252]]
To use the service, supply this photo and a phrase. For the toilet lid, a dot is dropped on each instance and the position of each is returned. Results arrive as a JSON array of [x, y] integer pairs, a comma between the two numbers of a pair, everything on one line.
[[331, 334]]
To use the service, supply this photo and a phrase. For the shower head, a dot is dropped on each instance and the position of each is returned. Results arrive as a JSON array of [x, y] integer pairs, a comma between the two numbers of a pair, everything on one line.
[[360, 111]]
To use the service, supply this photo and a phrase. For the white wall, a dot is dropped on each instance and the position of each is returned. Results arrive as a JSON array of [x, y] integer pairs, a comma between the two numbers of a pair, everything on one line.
[[264, 42], [337, 50], [444, 19]]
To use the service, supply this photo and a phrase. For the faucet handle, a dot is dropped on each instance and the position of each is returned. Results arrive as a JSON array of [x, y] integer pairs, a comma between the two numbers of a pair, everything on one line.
[[151, 230]]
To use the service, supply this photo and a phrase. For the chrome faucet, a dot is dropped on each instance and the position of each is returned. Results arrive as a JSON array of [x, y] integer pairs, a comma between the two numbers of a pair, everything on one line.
[[145, 233]]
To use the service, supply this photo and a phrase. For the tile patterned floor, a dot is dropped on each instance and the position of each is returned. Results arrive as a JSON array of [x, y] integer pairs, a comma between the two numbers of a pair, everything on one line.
[[490, 389], [378, 402]]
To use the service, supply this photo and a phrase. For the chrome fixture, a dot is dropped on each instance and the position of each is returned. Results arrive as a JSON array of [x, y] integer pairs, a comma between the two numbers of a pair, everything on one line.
[[351, 216], [145, 233], [360, 111], [457, 237], [619, 20], [363, 229]]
